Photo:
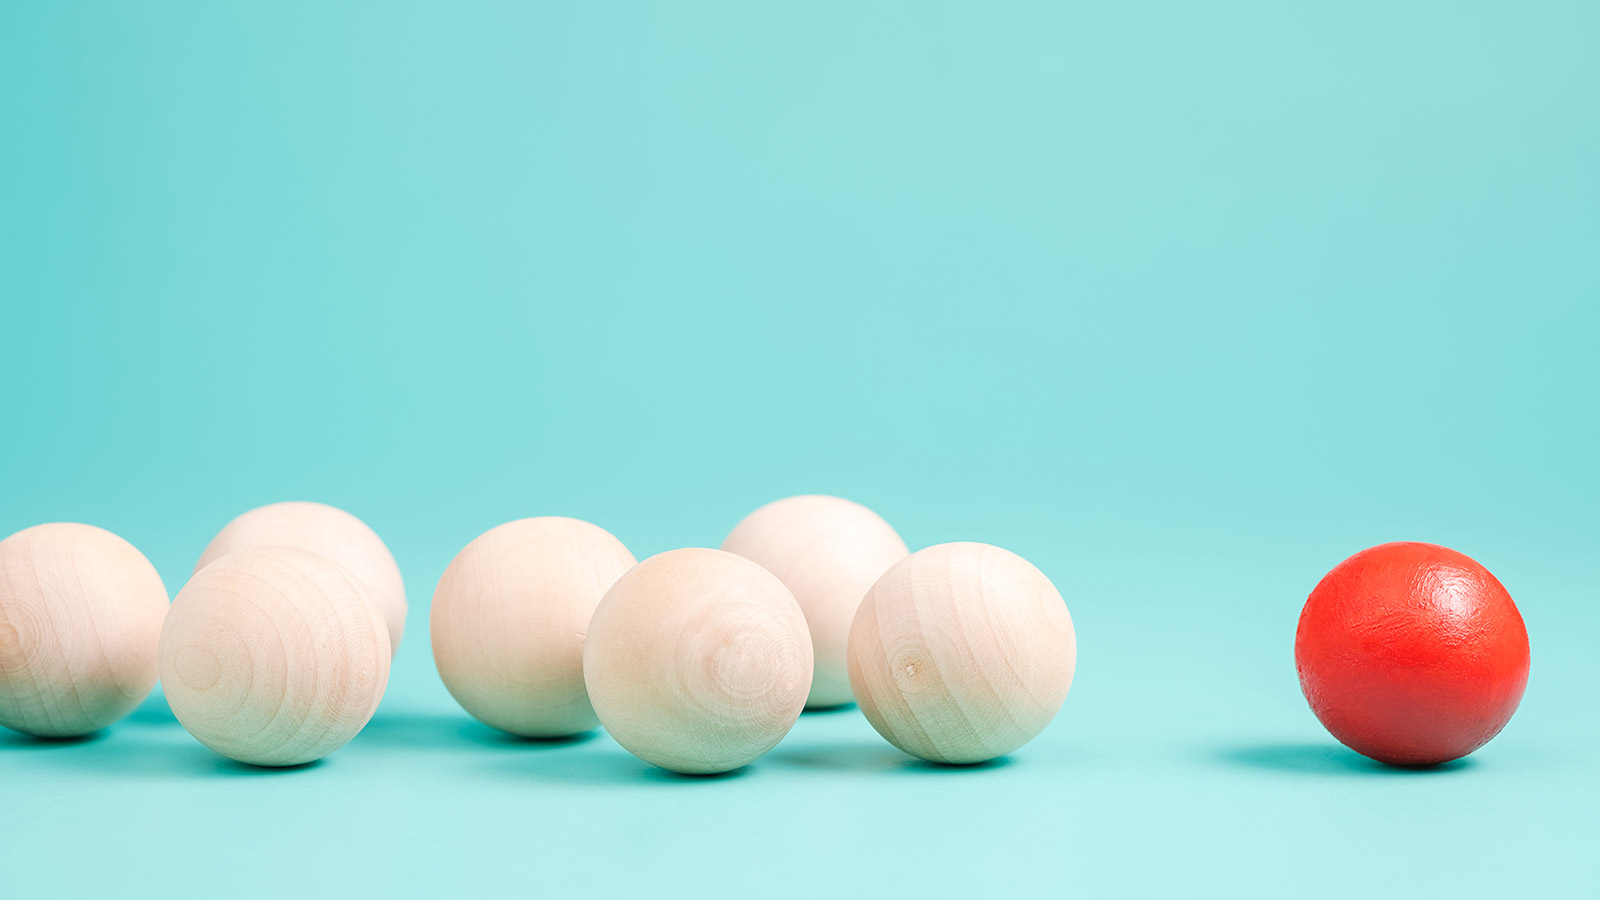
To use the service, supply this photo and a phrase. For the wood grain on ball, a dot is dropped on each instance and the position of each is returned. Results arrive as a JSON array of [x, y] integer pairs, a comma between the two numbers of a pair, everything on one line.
[[698, 661], [274, 656], [827, 551], [80, 616], [326, 531], [509, 618], [962, 653]]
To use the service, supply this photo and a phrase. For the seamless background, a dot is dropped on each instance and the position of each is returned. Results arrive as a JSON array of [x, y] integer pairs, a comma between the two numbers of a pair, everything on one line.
[[1183, 302]]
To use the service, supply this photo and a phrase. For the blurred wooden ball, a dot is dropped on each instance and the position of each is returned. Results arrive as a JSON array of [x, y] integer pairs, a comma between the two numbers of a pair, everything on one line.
[[326, 531], [698, 661], [827, 551], [274, 656], [80, 615], [509, 617], [962, 653]]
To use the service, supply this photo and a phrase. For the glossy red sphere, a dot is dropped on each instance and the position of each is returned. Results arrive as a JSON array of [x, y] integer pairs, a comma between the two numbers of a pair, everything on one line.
[[1412, 654]]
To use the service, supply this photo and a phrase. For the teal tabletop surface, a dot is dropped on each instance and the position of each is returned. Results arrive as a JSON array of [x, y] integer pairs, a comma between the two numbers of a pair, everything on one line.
[[1183, 302]]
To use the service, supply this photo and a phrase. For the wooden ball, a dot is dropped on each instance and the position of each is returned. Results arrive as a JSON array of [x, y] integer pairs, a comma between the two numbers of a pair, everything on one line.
[[1412, 653], [962, 653], [827, 552], [698, 661], [326, 531], [274, 656], [509, 617], [80, 614]]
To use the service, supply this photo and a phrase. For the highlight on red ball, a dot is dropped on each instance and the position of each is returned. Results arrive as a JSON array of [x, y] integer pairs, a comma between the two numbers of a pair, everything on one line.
[[1412, 654]]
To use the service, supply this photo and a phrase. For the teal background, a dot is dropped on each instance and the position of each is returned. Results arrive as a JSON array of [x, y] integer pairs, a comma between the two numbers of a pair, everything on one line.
[[1183, 302]]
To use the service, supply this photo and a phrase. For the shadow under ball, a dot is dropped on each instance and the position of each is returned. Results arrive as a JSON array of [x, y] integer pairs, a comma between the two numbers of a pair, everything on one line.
[[80, 617], [1411, 654], [962, 653], [827, 551], [326, 531], [274, 656], [698, 661], [509, 618]]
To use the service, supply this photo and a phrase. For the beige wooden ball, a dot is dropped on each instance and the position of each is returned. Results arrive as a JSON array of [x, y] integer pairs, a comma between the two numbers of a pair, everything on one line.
[[80, 614], [274, 656], [962, 653], [326, 531], [827, 551], [698, 661], [509, 617]]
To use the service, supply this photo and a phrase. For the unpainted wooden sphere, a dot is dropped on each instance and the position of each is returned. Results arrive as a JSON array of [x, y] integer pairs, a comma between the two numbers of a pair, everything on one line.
[[962, 653], [80, 615], [509, 617], [326, 531], [698, 661], [827, 551], [274, 656]]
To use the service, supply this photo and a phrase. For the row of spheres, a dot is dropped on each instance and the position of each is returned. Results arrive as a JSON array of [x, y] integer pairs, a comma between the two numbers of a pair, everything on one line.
[[277, 650]]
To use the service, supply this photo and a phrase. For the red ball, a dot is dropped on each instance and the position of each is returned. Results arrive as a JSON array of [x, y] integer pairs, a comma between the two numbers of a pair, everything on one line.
[[1412, 654]]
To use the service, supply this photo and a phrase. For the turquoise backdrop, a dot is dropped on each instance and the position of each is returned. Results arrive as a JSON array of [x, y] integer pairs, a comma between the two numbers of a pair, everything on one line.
[[1184, 302]]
